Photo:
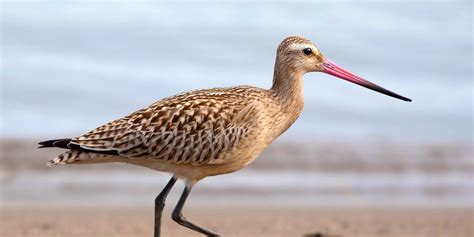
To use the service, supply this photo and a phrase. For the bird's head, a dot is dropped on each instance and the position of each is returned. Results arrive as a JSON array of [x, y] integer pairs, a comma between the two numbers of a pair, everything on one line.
[[299, 55]]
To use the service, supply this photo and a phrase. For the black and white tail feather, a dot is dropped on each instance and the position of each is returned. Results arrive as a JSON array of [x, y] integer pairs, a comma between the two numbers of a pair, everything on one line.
[[74, 154]]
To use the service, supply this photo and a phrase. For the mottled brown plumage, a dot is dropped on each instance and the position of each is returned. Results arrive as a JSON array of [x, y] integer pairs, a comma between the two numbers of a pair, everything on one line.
[[195, 128], [207, 132], [203, 132]]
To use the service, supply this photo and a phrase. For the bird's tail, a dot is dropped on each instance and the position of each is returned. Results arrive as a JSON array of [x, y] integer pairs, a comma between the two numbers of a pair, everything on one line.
[[79, 157], [74, 155], [64, 158], [60, 143]]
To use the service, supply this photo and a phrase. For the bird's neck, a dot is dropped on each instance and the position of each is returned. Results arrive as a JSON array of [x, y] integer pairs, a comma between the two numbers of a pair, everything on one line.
[[288, 85], [288, 90]]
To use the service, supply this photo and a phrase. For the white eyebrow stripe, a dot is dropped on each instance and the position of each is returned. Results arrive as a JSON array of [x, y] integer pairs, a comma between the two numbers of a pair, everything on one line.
[[303, 46]]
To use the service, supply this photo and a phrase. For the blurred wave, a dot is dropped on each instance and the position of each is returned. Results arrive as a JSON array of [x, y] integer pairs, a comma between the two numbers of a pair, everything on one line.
[[287, 174]]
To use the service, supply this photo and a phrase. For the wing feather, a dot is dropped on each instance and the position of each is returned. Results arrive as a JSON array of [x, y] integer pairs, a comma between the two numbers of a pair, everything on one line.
[[195, 128]]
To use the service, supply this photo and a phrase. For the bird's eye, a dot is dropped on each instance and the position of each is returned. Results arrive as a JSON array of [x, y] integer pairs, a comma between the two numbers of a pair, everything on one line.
[[307, 51]]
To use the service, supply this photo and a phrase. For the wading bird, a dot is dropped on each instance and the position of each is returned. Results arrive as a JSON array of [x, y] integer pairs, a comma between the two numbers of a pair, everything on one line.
[[207, 132]]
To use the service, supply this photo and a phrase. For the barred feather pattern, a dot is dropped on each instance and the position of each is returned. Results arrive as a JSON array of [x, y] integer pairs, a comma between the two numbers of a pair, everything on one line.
[[197, 127], [220, 130], [74, 156]]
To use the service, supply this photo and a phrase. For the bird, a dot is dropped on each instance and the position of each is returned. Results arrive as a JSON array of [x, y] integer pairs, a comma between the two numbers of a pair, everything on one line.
[[207, 132]]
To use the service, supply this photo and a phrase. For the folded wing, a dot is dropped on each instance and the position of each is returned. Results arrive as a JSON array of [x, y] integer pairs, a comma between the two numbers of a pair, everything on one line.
[[195, 128]]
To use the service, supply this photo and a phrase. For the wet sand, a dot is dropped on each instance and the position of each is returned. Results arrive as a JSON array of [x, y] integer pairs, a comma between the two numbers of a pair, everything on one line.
[[244, 222], [28, 189]]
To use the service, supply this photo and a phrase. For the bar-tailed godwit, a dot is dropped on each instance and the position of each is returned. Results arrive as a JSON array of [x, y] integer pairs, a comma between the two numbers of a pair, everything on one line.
[[207, 132]]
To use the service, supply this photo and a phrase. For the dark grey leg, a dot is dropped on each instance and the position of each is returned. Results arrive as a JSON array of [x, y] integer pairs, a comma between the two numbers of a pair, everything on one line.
[[160, 204], [180, 219]]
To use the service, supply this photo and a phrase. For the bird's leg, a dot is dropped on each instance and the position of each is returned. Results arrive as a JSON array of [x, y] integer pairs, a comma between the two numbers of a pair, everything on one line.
[[180, 219], [160, 204]]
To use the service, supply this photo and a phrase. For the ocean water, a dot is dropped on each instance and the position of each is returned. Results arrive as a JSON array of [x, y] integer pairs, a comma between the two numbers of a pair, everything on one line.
[[68, 67], [364, 175], [289, 188]]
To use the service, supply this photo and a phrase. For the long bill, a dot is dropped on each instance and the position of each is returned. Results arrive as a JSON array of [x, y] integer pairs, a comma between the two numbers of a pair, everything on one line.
[[337, 71]]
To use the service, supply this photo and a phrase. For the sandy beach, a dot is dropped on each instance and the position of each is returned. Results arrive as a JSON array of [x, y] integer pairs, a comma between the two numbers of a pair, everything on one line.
[[409, 192], [245, 221]]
